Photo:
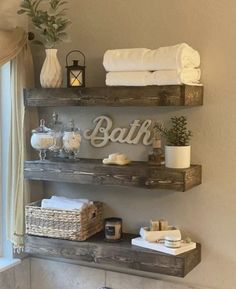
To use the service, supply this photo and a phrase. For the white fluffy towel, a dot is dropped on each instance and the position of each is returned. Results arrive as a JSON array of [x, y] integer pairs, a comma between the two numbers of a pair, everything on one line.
[[162, 77], [142, 59]]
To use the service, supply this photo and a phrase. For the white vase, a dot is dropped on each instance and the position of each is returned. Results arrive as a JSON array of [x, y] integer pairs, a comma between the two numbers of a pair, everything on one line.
[[177, 157], [51, 73]]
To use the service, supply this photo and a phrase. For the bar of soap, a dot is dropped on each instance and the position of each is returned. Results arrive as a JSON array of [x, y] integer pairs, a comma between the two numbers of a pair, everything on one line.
[[154, 225], [116, 159], [163, 225]]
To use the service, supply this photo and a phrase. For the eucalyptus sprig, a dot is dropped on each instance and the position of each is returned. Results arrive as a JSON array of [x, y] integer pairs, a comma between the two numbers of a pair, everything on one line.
[[178, 134], [50, 24]]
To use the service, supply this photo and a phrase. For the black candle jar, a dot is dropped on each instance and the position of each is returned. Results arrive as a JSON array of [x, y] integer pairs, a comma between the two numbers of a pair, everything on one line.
[[113, 229]]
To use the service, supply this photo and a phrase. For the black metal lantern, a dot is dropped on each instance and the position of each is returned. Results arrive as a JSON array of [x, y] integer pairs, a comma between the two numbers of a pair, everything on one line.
[[75, 72]]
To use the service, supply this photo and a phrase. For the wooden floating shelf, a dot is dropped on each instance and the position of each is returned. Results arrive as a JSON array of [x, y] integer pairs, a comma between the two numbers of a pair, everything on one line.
[[168, 95], [118, 255], [91, 171]]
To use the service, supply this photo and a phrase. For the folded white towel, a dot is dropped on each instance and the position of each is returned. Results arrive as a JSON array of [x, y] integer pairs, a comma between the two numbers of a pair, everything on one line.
[[64, 199], [129, 78], [62, 203], [142, 59], [162, 77]]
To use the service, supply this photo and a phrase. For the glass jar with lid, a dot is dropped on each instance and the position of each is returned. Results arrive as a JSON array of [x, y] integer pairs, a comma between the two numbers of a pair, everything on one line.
[[42, 139], [71, 141]]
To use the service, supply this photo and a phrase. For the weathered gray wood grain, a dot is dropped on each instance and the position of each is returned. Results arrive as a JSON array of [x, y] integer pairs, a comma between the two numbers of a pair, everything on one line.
[[121, 254], [91, 171], [171, 95]]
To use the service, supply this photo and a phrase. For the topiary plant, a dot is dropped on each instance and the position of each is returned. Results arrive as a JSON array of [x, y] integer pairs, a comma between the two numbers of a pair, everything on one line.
[[50, 23], [178, 134]]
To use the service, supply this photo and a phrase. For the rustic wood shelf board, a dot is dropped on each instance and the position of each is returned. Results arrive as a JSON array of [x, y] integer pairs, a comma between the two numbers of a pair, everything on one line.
[[91, 171], [122, 254], [169, 95]]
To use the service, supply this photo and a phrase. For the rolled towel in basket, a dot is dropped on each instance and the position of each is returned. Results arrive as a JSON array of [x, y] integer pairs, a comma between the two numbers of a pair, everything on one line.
[[162, 77], [142, 59], [62, 203]]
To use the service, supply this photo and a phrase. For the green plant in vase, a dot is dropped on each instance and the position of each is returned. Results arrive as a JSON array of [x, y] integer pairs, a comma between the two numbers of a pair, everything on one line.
[[177, 149], [50, 24]]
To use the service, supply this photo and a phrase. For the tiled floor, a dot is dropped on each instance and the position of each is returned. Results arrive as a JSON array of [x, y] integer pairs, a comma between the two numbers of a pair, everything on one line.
[[17, 277]]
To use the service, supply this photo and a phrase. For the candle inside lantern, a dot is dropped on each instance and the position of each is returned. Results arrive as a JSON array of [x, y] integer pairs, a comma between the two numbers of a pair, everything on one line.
[[75, 82], [76, 78]]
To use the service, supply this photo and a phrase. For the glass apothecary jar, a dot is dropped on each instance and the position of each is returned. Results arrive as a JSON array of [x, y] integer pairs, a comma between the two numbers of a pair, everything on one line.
[[42, 139], [71, 141]]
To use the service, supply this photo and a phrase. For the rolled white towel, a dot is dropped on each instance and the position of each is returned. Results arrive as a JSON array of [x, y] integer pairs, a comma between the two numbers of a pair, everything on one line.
[[162, 77], [175, 57], [142, 59], [174, 77]]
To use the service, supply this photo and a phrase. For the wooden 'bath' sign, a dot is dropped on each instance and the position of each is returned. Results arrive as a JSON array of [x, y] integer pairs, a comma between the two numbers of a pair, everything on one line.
[[103, 132]]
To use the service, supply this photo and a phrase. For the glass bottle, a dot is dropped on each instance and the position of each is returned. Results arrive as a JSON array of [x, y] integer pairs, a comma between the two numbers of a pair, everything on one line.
[[156, 156], [57, 132]]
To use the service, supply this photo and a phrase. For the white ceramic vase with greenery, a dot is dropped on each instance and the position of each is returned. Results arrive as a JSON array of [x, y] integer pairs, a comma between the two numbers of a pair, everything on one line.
[[177, 149], [50, 24], [51, 72]]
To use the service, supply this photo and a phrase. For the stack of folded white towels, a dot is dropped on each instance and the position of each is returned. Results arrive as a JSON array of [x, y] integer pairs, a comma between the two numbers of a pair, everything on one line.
[[63, 203], [141, 67]]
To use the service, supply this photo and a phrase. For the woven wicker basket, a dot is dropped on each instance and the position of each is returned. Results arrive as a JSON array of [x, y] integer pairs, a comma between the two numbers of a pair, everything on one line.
[[76, 225]]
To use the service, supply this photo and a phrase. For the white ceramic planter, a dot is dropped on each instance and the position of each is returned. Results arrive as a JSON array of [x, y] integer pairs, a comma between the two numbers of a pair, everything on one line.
[[51, 73], [177, 157]]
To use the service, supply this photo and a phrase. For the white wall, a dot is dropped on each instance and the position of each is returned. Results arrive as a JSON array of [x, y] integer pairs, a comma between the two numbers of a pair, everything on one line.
[[207, 212], [9, 18]]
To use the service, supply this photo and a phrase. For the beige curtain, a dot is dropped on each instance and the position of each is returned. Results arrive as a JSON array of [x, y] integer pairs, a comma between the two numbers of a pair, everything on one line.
[[11, 43], [17, 188], [14, 48]]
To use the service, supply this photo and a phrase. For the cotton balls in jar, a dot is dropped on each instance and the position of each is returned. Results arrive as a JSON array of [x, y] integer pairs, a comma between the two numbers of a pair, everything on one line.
[[71, 141]]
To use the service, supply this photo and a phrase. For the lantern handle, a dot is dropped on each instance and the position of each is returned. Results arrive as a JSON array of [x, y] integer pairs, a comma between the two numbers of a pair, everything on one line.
[[72, 51]]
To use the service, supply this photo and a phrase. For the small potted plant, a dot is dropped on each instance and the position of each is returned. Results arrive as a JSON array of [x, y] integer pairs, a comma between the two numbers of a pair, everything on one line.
[[177, 149], [50, 24]]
